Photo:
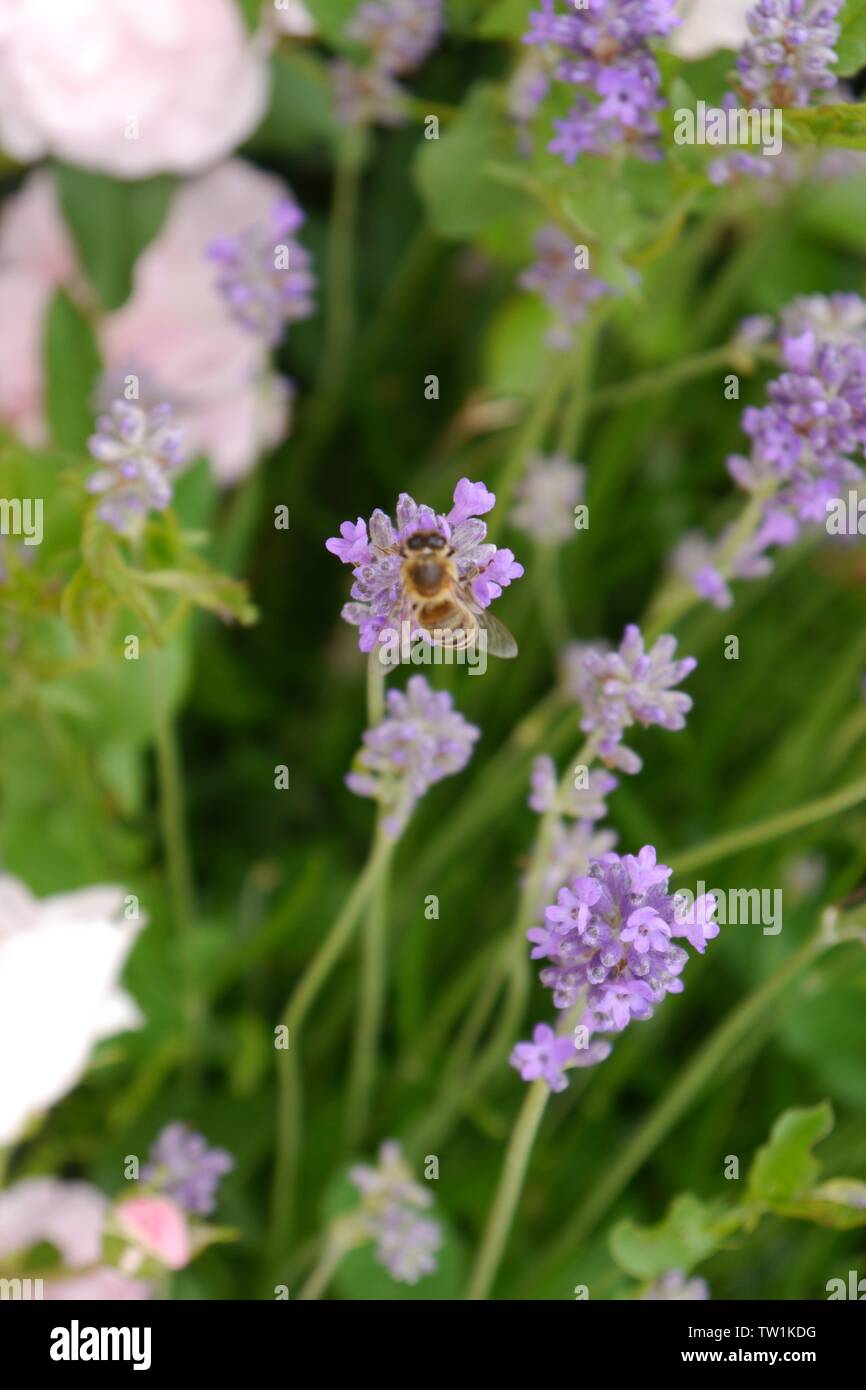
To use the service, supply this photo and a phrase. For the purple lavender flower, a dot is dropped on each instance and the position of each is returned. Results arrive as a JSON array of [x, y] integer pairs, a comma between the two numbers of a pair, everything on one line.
[[544, 1058], [528, 86], [141, 450], [675, 1286], [609, 940], [836, 318], [582, 802], [378, 598], [787, 57], [626, 687], [265, 276], [546, 498], [182, 1165], [604, 56], [367, 96], [421, 740], [398, 35], [808, 442], [566, 288], [391, 1203]]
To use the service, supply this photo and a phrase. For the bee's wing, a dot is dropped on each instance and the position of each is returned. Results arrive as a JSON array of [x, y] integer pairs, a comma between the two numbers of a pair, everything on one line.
[[499, 640]]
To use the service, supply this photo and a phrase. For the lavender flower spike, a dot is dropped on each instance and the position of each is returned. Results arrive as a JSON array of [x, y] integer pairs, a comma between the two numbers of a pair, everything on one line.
[[141, 450], [787, 57], [602, 52], [567, 289], [609, 941], [376, 557], [265, 276], [421, 740], [626, 687], [391, 1203], [398, 35], [182, 1165], [547, 497]]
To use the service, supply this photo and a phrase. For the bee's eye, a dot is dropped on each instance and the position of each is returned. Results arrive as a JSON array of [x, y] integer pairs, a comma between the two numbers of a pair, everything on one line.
[[436, 542], [415, 543]]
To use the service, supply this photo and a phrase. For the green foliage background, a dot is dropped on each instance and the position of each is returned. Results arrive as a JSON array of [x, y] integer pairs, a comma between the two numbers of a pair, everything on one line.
[[444, 228]]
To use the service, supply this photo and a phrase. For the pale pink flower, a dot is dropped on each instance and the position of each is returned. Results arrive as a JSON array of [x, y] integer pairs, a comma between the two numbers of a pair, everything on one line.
[[70, 1216], [60, 962], [158, 1226], [36, 257], [129, 88], [174, 331]]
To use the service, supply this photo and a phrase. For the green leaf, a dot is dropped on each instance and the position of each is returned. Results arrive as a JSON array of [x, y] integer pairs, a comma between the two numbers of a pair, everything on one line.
[[111, 223], [690, 1233], [785, 1166], [461, 198], [843, 124], [505, 19], [72, 366], [851, 44]]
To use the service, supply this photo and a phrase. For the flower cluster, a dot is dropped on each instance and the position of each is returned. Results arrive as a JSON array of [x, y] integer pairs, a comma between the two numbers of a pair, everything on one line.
[[378, 600], [391, 1207], [784, 62], [803, 441], [787, 57], [182, 1165], [140, 450], [398, 35], [617, 689], [265, 276], [565, 286], [421, 740], [141, 1235], [610, 946], [547, 497], [603, 53]]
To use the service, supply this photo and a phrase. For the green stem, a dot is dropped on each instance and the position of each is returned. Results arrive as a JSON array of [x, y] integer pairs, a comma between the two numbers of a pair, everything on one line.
[[530, 438], [371, 1010], [296, 1010], [663, 378], [175, 844], [511, 1183], [771, 829], [318, 1281], [579, 401], [551, 606]]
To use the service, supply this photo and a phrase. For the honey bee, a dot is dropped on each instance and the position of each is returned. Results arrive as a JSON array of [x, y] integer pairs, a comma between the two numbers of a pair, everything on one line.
[[441, 602]]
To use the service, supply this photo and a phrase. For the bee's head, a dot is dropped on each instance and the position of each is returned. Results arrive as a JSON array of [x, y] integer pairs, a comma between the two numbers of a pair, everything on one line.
[[425, 540]]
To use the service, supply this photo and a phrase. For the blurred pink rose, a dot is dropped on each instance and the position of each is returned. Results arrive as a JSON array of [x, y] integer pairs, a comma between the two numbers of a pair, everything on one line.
[[126, 87], [35, 257], [158, 1226], [71, 1217], [174, 332]]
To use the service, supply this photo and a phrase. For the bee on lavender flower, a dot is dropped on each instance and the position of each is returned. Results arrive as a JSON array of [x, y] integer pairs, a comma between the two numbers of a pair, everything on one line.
[[434, 575], [441, 603]]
